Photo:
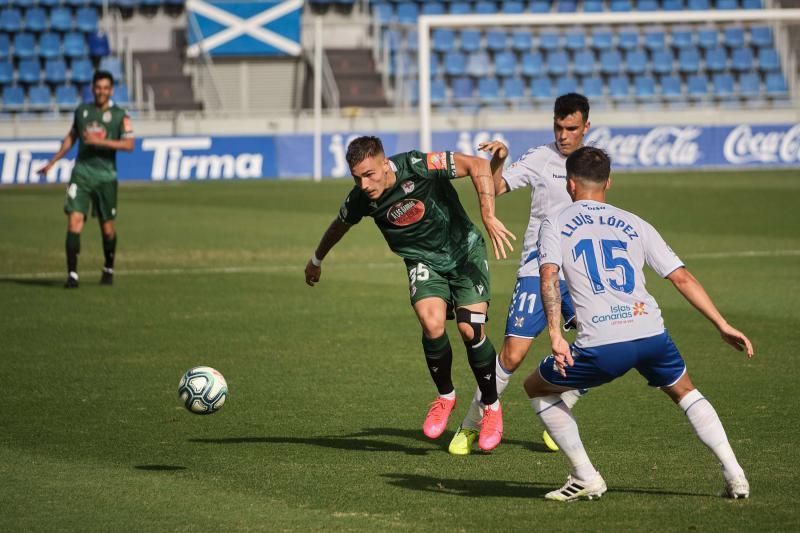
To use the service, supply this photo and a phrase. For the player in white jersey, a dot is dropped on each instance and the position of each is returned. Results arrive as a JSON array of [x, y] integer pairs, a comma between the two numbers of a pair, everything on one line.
[[602, 250], [543, 170]]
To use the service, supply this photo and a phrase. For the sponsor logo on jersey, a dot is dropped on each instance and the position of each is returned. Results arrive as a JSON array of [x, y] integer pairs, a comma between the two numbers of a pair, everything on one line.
[[519, 321], [639, 309], [415, 160], [617, 314], [407, 186], [559, 176], [107, 116], [406, 212], [437, 160], [95, 130]]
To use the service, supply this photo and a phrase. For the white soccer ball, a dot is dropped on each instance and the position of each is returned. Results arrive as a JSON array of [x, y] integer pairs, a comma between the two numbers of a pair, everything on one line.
[[203, 390]]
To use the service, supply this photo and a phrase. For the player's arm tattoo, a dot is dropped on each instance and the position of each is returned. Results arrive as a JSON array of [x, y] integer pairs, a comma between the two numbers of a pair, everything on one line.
[[551, 295], [332, 235]]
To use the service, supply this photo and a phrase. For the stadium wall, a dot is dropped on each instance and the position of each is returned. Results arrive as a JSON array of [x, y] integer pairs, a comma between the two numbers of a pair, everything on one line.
[[741, 145]]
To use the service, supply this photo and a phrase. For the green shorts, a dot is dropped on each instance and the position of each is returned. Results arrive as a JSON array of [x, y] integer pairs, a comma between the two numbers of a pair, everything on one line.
[[101, 195], [466, 284]]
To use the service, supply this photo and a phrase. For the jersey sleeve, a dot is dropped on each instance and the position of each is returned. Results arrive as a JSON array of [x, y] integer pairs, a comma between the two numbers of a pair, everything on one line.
[[549, 244], [126, 128], [657, 253], [353, 208], [75, 131], [434, 164], [522, 172]]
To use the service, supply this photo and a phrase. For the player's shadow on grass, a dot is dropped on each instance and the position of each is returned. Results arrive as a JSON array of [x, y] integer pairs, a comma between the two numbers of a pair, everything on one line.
[[481, 488], [36, 282]]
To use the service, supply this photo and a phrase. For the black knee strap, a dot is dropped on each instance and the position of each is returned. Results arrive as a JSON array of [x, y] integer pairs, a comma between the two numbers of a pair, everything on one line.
[[475, 320]]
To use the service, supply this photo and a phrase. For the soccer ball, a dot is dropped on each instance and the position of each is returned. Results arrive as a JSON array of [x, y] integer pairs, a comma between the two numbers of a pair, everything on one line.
[[203, 390]]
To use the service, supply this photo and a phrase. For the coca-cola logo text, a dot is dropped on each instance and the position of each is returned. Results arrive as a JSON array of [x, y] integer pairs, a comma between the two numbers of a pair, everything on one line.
[[662, 146], [744, 146]]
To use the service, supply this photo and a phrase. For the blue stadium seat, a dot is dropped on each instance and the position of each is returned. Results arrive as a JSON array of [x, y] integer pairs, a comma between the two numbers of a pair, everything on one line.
[[29, 72], [61, 19], [6, 72], [749, 85], [50, 46], [610, 62], [645, 88], [5, 46], [539, 6], [521, 40], [505, 64], [10, 20], [722, 86], [662, 61], [592, 87], [707, 38], [593, 6], [619, 89], [55, 71], [463, 89], [99, 45], [155, 4], [716, 59], [49, 4], [671, 88], [532, 64], [514, 89], [24, 45], [488, 90], [621, 6], [438, 92], [566, 84], [384, 13], [688, 60], [654, 39], [733, 37], [435, 64], [566, 6], [583, 62], [66, 97], [602, 38], [697, 86], [113, 65], [512, 7], [460, 8], [496, 40], [478, 65], [127, 4], [575, 40], [35, 20], [485, 8], [672, 5], [23, 4], [75, 45], [775, 85], [557, 63], [81, 71], [39, 98], [443, 40], [550, 39], [470, 40], [628, 38], [768, 59], [433, 8], [407, 13], [635, 62], [411, 39], [698, 5], [541, 89], [86, 19], [75, 4], [727, 4], [455, 64], [13, 98], [761, 36], [682, 37], [741, 60], [647, 5], [752, 4]]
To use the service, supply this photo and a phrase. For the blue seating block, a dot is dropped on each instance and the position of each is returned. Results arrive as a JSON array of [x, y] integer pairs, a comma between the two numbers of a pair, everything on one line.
[[654, 39], [761, 36], [618, 88], [557, 63], [455, 64], [521, 41], [662, 61], [512, 7], [485, 8], [682, 37], [488, 90], [11, 20], [592, 87], [539, 6], [513, 89], [647, 5], [39, 98], [29, 72], [463, 89], [496, 40], [645, 88], [443, 40], [635, 62], [593, 6], [505, 64], [672, 5], [35, 20], [716, 59], [24, 45], [688, 60], [460, 8], [566, 84], [50, 46], [750, 85], [470, 40], [628, 38], [697, 86], [542, 89], [407, 13], [621, 6], [575, 40], [550, 39], [75, 45], [775, 85], [727, 4], [733, 37], [55, 71], [6, 72], [66, 97], [610, 62], [741, 59], [602, 38], [698, 5], [13, 98], [81, 71], [478, 65], [532, 64], [768, 60], [5, 46], [722, 86], [99, 45], [707, 38], [61, 19], [584, 62], [86, 19], [671, 88]]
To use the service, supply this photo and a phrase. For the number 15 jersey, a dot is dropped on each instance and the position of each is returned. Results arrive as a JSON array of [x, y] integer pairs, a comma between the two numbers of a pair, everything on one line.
[[602, 251]]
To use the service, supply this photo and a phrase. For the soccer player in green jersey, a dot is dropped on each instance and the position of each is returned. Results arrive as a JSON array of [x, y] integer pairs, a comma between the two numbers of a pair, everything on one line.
[[416, 208], [101, 128]]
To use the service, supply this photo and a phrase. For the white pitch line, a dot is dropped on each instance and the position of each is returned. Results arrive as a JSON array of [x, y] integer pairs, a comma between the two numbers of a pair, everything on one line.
[[743, 254]]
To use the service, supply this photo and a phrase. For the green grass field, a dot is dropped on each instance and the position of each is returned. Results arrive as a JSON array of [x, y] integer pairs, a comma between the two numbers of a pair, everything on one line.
[[328, 385]]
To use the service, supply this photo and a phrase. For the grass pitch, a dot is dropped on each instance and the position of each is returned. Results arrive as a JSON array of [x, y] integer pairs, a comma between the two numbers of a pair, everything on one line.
[[328, 386]]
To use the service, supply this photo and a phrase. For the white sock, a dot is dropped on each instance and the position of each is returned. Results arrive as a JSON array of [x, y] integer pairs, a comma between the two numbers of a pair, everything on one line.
[[571, 397], [450, 395], [706, 424], [502, 376], [561, 425], [494, 407]]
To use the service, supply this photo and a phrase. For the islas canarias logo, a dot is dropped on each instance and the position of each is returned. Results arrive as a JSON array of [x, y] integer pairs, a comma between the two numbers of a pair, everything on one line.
[[406, 212]]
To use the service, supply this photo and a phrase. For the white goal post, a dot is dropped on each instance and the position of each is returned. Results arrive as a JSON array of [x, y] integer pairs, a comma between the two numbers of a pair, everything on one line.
[[426, 23]]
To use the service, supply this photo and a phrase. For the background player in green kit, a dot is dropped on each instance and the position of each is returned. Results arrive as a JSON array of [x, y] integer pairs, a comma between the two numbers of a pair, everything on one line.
[[101, 129], [413, 203]]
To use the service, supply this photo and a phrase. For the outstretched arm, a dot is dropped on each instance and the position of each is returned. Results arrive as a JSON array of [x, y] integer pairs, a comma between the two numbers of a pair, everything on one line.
[[125, 144], [66, 145], [332, 235], [550, 289], [478, 168], [499, 152], [691, 289]]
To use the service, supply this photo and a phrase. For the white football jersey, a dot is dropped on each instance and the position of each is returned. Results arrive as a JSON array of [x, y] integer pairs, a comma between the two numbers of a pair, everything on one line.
[[543, 169], [602, 250]]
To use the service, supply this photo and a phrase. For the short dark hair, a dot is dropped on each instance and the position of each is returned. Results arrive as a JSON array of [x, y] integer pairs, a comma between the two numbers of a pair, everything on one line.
[[361, 148], [589, 163], [102, 75], [569, 103]]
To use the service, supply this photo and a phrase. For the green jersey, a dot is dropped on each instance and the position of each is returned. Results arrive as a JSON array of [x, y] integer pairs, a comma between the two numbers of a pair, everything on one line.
[[111, 123], [420, 216]]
